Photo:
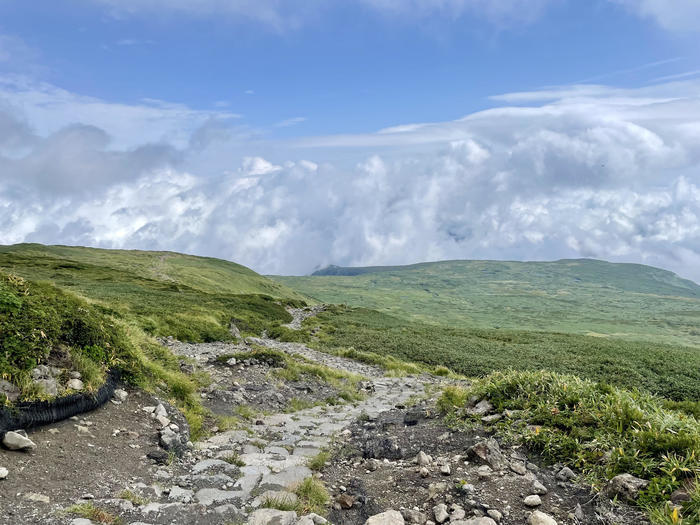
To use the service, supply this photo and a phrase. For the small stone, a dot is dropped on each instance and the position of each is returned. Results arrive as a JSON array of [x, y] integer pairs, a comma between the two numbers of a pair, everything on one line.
[[120, 395], [39, 498], [16, 441], [76, 384], [491, 419], [518, 467], [566, 474], [10, 391], [440, 513], [457, 513], [75, 374], [484, 472], [160, 411], [578, 513], [424, 472], [414, 517], [533, 501], [445, 470], [345, 501], [4, 473], [540, 518], [626, 486], [423, 459], [390, 517], [482, 408], [49, 386], [81, 521], [494, 514], [679, 496], [538, 488], [163, 421]]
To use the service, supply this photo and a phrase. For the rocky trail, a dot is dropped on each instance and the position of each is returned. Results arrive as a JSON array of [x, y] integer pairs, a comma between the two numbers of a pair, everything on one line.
[[391, 460]]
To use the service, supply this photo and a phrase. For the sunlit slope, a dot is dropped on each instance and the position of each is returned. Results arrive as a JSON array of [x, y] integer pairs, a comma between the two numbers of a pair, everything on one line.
[[203, 273], [162, 293], [581, 296]]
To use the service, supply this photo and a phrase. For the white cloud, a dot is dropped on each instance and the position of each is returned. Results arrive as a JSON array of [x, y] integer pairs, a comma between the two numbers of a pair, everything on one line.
[[50, 108], [676, 15], [578, 171]]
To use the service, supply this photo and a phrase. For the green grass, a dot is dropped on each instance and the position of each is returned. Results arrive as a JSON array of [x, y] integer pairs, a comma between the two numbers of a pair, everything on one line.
[[130, 495], [627, 301], [319, 460], [599, 429], [91, 512], [668, 370], [312, 497]]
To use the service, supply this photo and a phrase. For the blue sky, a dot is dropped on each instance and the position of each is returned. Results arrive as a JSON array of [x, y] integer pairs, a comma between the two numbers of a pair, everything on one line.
[[287, 135], [344, 69]]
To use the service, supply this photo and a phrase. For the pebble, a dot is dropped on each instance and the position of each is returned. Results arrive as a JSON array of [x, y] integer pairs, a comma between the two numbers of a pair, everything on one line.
[[4, 473], [533, 501], [540, 518]]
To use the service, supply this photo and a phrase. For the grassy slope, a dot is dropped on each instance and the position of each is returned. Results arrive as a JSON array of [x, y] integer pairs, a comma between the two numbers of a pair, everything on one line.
[[668, 370], [574, 296], [162, 293]]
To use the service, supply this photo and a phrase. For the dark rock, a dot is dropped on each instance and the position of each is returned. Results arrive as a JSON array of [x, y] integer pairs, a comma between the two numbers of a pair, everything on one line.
[[161, 457], [625, 486]]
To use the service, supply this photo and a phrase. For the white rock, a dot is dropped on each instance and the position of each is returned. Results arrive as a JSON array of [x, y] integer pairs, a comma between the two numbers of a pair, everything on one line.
[[120, 395], [538, 488], [4, 473], [160, 411], [440, 513], [540, 518], [81, 521], [423, 459], [76, 384], [390, 517], [16, 441], [272, 517], [75, 375], [445, 470], [495, 514], [533, 501]]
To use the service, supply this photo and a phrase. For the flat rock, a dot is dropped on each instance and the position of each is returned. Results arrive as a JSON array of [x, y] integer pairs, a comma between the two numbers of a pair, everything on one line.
[[286, 478], [208, 497], [272, 517]]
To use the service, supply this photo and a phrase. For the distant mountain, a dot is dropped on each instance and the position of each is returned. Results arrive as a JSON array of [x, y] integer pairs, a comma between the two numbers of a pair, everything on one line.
[[571, 295]]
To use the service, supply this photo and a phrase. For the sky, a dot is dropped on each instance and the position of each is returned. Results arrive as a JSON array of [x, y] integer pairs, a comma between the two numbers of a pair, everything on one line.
[[287, 135]]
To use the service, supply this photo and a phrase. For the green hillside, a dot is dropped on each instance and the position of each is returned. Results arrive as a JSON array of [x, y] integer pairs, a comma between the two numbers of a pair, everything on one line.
[[162, 293], [583, 296]]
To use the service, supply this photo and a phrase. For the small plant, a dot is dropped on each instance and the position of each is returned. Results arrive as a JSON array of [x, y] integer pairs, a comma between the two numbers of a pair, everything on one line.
[[246, 412], [313, 496], [134, 498], [319, 460], [234, 459], [91, 512]]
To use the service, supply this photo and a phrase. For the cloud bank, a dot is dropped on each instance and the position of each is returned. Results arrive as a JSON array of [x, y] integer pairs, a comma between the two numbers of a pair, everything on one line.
[[578, 171]]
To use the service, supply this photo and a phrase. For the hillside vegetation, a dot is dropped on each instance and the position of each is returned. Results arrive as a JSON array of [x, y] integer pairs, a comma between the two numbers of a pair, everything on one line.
[[91, 310], [590, 297], [164, 294], [671, 371]]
